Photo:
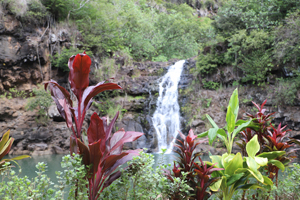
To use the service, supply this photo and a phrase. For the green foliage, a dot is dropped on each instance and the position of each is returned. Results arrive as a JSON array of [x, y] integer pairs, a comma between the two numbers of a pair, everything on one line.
[[286, 91], [210, 85], [41, 187], [210, 59], [138, 181], [60, 59], [287, 45], [147, 33], [107, 106], [42, 100], [14, 93], [232, 127]]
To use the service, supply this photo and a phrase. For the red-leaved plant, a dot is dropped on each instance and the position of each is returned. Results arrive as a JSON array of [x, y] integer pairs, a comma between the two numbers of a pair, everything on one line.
[[104, 152], [198, 174], [261, 130], [276, 143]]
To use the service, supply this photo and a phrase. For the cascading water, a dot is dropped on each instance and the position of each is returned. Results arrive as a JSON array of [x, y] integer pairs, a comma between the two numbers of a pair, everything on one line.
[[166, 116]]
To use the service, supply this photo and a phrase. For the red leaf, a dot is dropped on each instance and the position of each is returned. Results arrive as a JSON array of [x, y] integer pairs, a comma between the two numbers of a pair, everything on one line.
[[84, 151], [79, 66], [67, 112], [95, 131], [73, 145], [95, 155], [111, 125], [59, 92], [129, 136], [92, 91], [118, 160]]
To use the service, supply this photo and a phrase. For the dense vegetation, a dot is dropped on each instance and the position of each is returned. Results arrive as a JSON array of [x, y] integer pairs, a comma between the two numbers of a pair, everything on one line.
[[257, 38]]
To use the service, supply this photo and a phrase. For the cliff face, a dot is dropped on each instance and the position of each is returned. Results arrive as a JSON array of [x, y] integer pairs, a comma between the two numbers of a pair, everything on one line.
[[25, 62]]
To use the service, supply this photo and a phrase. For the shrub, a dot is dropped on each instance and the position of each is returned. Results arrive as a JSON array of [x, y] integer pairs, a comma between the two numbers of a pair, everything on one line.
[[42, 101], [41, 187], [103, 154]]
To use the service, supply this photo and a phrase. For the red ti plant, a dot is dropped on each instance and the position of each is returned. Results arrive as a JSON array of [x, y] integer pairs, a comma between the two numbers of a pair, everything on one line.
[[263, 122], [276, 143], [204, 180], [79, 66], [104, 152], [199, 174]]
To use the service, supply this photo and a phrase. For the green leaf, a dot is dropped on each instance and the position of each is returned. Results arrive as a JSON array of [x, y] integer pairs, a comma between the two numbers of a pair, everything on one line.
[[234, 103], [241, 128], [211, 121], [203, 134], [218, 160], [234, 164], [239, 122], [261, 161], [230, 119], [212, 133], [267, 181], [271, 155], [221, 132], [215, 187], [252, 147], [235, 177], [252, 164], [277, 163], [249, 186]]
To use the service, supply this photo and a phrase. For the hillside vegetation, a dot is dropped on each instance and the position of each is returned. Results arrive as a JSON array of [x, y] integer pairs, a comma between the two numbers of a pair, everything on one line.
[[258, 38]]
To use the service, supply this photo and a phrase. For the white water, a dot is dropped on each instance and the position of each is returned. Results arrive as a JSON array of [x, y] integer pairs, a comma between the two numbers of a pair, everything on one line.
[[166, 116]]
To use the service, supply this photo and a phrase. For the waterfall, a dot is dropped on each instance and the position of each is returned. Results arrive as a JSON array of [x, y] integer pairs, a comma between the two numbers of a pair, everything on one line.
[[166, 116]]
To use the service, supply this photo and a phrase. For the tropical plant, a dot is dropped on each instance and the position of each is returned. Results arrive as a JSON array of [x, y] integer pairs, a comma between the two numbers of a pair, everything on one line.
[[262, 122], [104, 151], [198, 174], [238, 171], [232, 127], [5, 145], [276, 143]]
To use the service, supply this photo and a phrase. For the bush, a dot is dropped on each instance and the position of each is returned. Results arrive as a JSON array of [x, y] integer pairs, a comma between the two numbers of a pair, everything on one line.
[[42, 100], [42, 187], [61, 59]]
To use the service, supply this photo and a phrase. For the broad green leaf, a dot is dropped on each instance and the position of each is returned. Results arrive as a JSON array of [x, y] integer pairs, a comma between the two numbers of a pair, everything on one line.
[[234, 103], [261, 161], [218, 160], [203, 134], [252, 164], [234, 164], [267, 181], [257, 175], [215, 187], [271, 155], [252, 147], [277, 163], [212, 134], [222, 133], [211, 121], [234, 178], [239, 122], [249, 186], [230, 119], [241, 128]]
